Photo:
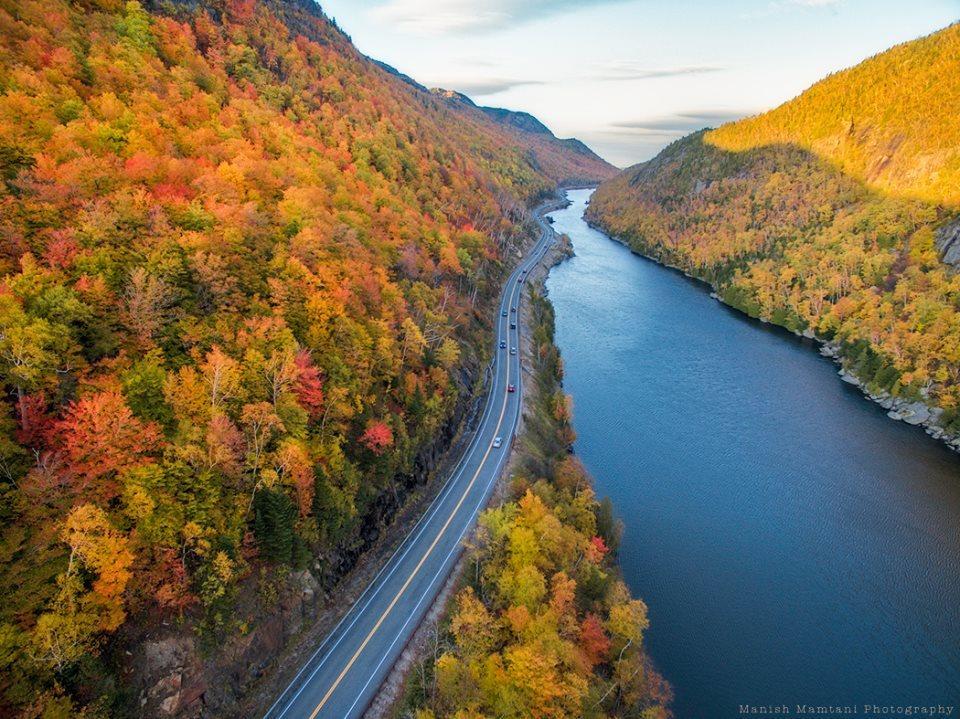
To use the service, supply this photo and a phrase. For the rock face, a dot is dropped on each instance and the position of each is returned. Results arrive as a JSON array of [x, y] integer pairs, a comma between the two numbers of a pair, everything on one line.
[[179, 686], [917, 413], [175, 677], [948, 243]]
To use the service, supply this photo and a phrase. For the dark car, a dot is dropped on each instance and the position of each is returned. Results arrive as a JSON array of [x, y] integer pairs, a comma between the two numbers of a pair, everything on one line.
[[503, 314], [503, 344], [513, 309], [511, 388], [513, 325]]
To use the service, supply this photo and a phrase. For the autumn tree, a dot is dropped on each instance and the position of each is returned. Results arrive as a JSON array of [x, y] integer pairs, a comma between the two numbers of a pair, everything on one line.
[[100, 436], [90, 597]]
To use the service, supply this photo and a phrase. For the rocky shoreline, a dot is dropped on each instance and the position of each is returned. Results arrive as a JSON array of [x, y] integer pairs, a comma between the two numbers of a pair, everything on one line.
[[916, 413]]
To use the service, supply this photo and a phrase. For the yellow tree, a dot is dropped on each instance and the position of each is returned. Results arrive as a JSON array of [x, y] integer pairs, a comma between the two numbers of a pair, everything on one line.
[[90, 600]]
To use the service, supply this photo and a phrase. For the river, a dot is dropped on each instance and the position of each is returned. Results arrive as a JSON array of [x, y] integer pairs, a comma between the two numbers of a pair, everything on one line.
[[794, 545]]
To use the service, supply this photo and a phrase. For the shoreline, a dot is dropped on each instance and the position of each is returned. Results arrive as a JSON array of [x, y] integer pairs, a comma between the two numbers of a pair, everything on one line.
[[914, 413], [394, 699]]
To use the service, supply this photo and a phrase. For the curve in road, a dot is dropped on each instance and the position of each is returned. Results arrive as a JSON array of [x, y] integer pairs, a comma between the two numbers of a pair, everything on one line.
[[342, 676]]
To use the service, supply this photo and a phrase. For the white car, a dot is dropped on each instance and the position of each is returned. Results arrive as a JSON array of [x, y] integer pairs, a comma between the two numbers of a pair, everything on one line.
[[497, 442]]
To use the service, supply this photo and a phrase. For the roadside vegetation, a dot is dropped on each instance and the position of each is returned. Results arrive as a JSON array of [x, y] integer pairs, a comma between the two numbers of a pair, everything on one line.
[[543, 625]]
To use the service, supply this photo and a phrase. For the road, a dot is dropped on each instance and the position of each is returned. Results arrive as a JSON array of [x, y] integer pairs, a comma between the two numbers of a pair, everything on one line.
[[341, 678]]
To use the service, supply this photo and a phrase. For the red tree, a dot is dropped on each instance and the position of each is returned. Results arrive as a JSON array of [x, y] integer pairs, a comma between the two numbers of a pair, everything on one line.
[[309, 385], [100, 436], [378, 437], [594, 642]]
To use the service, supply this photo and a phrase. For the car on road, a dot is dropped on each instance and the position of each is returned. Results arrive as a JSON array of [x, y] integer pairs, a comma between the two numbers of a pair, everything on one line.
[[513, 350], [513, 325], [503, 344], [497, 442], [511, 388], [513, 309], [503, 314]]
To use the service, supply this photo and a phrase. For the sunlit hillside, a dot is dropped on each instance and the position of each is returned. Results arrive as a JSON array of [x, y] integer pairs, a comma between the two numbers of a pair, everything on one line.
[[823, 216], [891, 121]]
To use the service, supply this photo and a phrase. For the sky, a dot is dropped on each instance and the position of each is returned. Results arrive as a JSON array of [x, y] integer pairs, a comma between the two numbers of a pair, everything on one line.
[[630, 76]]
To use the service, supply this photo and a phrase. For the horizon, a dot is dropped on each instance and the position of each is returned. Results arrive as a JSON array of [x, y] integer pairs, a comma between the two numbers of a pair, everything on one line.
[[628, 101]]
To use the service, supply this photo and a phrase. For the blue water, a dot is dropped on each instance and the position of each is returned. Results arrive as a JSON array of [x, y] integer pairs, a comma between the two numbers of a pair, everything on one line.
[[794, 544]]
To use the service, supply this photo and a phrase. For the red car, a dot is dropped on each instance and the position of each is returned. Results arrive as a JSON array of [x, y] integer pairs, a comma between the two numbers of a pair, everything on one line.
[[511, 388]]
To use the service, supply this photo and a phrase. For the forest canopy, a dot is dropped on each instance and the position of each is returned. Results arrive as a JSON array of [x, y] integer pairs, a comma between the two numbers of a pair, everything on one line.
[[243, 282]]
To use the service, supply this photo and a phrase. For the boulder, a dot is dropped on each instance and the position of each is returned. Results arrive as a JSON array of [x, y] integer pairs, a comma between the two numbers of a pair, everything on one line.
[[915, 413]]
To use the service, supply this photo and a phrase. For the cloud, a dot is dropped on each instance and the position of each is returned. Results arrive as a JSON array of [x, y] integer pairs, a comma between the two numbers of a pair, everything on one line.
[[435, 17], [627, 142], [674, 125], [783, 6], [633, 71], [483, 85]]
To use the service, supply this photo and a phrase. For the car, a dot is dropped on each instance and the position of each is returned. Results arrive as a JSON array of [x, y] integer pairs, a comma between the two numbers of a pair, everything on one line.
[[503, 314], [497, 442], [513, 325], [520, 281], [513, 350], [511, 388], [513, 309], [503, 344]]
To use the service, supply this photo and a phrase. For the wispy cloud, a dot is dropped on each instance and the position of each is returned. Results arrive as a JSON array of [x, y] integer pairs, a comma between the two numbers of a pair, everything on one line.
[[434, 17], [634, 71], [483, 85], [613, 72], [675, 125]]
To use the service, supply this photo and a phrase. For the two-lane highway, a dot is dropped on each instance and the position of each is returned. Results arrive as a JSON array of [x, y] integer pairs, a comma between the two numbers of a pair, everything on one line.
[[343, 675]]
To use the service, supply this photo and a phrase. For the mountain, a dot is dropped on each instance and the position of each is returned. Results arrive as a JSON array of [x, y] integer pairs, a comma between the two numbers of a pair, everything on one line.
[[568, 160], [889, 122], [832, 215], [246, 285]]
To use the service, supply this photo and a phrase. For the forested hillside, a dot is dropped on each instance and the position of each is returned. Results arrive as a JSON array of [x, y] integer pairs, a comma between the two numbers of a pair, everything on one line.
[[826, 216], [244, 275], [890, 121]]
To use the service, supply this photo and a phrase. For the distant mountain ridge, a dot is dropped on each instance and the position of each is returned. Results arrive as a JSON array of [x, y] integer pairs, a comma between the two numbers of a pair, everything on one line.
[[593, 168], [529, 125], [833, 215]]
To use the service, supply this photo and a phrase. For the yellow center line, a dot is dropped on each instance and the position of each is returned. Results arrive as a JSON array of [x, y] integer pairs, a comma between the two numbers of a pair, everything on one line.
[[422, 561]]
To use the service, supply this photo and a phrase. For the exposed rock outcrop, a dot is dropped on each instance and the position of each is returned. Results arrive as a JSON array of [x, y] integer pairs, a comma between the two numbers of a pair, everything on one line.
[[948, 243]]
